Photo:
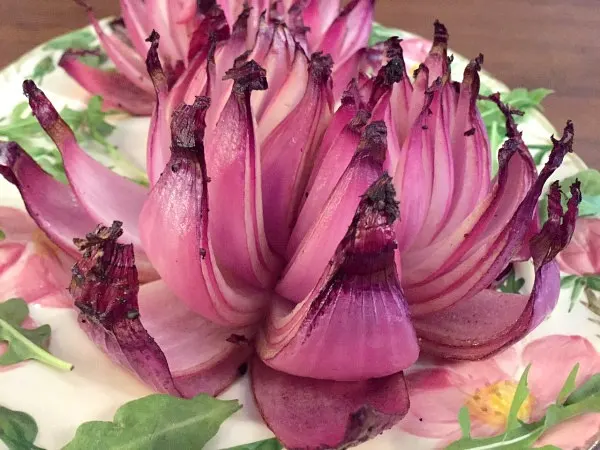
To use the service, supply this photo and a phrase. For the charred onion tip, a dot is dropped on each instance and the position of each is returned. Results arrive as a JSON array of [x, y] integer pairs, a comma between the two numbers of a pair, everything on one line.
[[41, 107], [321, 66], [247, 77], [373, 141], [440, 37], [392, 72], [241, 23], [100, 236], [381, 196], [153, 38], [393, 49]]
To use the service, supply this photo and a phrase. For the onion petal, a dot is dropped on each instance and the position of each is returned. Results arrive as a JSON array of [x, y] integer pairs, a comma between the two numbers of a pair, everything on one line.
[[125, 58], [311, 414], [178, 207], [288, 153], [115, 88], [349, 31], [360, 286], [188, 355], [235, 191], [489, 321], [103, 193], [318, 246]]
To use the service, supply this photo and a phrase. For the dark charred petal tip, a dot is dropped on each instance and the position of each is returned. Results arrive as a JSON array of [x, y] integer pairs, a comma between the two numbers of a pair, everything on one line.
[[187, 124], [422, 68], [393, 49], [247, 77], [393, 71], [475, 64], [360, 119], [321, 66], [351, 95], [381, 197], [204, 6], [153, 38], [575, 189], [99, 236], [440, 34], [241, 24]]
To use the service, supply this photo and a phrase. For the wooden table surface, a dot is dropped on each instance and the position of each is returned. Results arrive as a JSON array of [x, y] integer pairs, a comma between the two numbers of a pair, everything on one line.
[[550, 43]]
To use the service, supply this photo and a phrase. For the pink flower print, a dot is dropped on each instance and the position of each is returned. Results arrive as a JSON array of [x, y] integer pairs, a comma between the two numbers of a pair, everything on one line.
[[487, 389]]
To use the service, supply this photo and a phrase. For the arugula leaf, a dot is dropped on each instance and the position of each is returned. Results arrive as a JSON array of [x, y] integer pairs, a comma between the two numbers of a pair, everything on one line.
[[267, 444], [157, 421], [512, 285], [44, 67], [521, 394], [568, 281], [568, 387], [521, 99], [2, 235], [23, 343], [18, 430], [380, 33], [522, 436], [576, 292], [464, 420], [78, 39]]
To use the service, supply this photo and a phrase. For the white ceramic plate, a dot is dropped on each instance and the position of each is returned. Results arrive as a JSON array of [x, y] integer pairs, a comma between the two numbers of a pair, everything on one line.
[[60, 402]]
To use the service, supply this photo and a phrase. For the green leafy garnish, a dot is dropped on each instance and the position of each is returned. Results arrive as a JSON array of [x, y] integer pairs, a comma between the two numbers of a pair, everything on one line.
[[522, 99], [157, 421], [512, 284], [267, 444], [91, 129], [579, 284], [379, 33], [43, 68], [17, 430], [81, 39], [570, 403], [23, 343], [2, 235]]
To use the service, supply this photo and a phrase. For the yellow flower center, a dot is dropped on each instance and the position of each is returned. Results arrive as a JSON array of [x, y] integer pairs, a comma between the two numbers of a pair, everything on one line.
[[491, 404]]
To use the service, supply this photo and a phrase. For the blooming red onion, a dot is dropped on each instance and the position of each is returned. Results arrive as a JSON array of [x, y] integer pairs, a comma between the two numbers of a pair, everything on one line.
[[273, 219]]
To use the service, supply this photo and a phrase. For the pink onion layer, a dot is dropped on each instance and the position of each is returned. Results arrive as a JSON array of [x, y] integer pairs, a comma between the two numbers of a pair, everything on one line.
[[310, 414]]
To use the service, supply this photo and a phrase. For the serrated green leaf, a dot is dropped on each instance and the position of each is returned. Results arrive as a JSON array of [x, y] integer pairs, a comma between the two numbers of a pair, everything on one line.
[[81, 39], [590, 388], [380, 33], [521, 394], [267, 444], [464, 420], [157, 421], [18, 430], [44, 67], [569, 386], [512, 285], [23, 343], [593, 282], [568, 281], [576, 292]]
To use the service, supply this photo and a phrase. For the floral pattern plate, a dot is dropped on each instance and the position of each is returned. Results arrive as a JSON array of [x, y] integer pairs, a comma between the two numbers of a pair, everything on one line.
[[60, 402]]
